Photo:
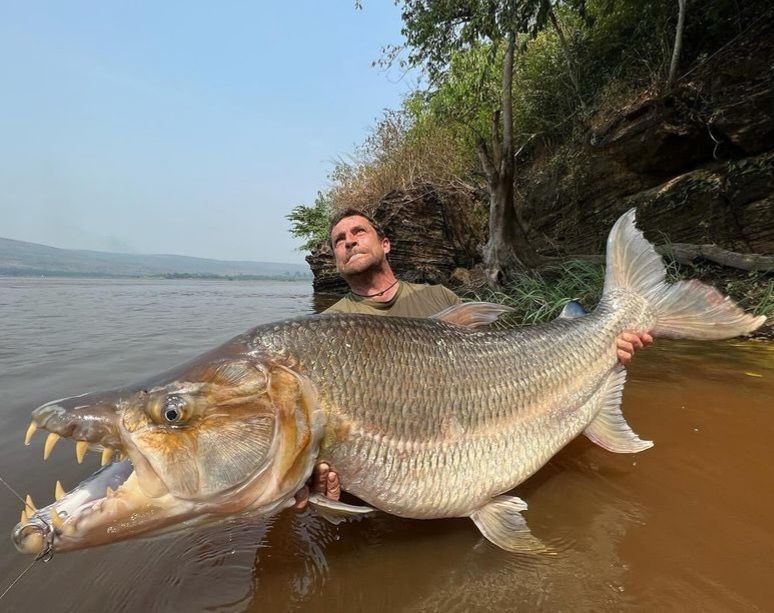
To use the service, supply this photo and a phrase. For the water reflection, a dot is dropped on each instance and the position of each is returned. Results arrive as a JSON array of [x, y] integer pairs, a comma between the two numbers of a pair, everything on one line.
[[387, 563]]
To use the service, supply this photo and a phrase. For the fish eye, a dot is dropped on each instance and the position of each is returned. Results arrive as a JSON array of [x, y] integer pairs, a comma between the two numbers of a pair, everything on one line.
[[173, 410]]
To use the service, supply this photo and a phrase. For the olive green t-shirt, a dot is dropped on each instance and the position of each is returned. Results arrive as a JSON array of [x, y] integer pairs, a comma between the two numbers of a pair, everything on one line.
[[411, 300]]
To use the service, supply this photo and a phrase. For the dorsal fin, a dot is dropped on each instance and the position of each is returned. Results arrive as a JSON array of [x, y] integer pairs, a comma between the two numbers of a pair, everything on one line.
[[572, 310], [472, 314]]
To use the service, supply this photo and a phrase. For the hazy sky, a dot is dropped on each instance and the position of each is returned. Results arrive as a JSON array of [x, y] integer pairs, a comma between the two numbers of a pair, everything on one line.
[[182, 127]]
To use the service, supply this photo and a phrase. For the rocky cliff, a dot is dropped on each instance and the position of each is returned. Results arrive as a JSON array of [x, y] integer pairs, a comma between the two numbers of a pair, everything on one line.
[[698, 164]]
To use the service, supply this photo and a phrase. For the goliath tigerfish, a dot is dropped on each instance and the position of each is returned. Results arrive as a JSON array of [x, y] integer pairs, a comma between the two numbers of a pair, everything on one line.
[[421, 418]]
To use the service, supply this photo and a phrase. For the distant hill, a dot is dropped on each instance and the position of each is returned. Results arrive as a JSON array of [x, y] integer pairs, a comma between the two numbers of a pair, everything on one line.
[[19, 258]]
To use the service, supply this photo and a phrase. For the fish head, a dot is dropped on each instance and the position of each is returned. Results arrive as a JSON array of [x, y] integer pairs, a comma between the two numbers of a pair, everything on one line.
[[226, 435]]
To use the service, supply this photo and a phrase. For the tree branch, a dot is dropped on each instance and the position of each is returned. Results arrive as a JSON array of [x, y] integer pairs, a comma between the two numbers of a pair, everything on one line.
[[567, 56], [497, 143], [486, 161], [678, 47], [507, 107], [685, 253]]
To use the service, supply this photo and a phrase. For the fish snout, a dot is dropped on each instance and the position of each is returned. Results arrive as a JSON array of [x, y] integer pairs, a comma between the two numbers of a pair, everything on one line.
[[90, 417]]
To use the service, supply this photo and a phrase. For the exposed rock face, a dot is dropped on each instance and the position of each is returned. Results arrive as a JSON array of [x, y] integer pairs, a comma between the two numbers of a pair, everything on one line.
[[432, 233], [698, 165]]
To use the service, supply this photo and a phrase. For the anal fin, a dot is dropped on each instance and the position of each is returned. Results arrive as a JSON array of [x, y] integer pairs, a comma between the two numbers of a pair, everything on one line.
[[609, 428], [501, 522], [336, 511]]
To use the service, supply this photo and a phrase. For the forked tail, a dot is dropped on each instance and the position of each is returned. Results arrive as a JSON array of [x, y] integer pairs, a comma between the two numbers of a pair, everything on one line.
[[686, 309]]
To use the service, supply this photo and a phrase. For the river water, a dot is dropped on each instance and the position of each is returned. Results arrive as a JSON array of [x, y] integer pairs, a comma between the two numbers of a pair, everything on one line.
[[687, 525]]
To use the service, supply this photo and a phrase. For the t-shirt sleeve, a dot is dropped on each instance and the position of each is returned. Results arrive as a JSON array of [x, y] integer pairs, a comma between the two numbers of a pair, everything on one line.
[[434, 299], [450, 296]]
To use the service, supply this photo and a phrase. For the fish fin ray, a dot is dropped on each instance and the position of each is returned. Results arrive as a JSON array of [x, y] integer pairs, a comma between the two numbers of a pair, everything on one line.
[[336, 511], [501, 522], [472, 314], [609, 429]]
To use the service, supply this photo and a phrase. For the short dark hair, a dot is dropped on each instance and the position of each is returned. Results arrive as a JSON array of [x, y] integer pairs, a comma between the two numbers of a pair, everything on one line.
[[353, 212]]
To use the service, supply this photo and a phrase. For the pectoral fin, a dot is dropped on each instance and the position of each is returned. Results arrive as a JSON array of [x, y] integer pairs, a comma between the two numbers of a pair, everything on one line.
[[609, 428], [335, 511], [501, 522]]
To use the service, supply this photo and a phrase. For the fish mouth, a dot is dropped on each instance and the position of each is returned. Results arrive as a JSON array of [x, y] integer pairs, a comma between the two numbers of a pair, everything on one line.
[[110, 504]]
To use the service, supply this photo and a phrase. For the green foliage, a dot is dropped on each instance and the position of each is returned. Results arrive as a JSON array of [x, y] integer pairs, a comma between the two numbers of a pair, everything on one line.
[[311, 222], [538, 297], [435, 30], [468, 94], [615, 47], [544, 98]]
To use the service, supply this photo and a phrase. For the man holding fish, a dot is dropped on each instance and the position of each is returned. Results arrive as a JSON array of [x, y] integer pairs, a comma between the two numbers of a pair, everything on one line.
[[360, 249], [464, 412]]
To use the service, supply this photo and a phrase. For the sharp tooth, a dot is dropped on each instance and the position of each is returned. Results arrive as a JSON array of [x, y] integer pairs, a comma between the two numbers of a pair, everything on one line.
[[50, 442], [24, 518], [30, 431], [107, 455], [56, 521], [109, 493], [30, 505], [80, 450], [59, 491]]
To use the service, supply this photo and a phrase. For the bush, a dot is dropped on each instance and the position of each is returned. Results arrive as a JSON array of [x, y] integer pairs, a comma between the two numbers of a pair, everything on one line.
[[404, 147], [311, 222]]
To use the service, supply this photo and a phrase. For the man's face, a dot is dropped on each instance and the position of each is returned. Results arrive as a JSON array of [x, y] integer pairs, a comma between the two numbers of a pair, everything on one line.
[[356, 246]]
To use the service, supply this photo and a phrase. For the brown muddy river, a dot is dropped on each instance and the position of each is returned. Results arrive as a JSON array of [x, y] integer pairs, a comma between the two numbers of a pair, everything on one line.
[[686, 525]]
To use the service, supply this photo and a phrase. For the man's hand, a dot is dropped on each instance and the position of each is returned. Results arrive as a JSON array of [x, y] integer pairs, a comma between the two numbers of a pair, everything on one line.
[[628, 342], [324, 481]]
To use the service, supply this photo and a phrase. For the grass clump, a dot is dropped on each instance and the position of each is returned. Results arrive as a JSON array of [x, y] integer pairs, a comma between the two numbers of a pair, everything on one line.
[[539, 297]]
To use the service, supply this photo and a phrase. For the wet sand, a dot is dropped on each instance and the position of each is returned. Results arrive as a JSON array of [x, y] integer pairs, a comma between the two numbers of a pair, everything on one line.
[[686, 525]]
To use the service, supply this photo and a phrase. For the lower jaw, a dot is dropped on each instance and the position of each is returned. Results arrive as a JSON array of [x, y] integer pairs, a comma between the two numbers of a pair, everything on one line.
[[101, 498]]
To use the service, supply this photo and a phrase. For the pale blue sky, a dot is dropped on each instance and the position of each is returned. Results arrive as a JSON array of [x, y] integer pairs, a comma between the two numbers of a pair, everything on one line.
[[182, 127]]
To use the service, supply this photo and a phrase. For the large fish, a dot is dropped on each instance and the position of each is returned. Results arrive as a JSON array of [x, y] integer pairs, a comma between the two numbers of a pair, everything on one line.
[[421, 418]]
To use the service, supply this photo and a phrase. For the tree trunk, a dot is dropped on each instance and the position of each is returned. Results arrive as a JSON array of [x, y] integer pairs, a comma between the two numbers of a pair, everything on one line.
[[507, 247], [678, 45], [567, 57]]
